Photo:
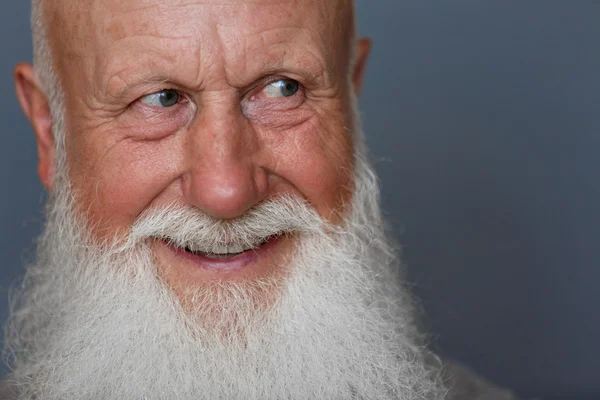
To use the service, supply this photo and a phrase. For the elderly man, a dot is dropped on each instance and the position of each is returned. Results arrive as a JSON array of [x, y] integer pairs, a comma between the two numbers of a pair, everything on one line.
[[213, 225]]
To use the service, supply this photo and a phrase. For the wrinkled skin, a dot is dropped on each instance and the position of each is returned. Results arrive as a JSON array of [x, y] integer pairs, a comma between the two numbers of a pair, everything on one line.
[[225, 146]]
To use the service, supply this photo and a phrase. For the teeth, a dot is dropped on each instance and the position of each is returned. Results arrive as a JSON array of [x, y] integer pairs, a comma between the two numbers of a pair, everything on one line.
[[219, 250], [222, 249], [235, 249]]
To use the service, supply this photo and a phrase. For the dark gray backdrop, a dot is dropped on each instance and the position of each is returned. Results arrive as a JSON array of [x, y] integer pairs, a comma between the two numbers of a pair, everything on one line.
[[483, 117]]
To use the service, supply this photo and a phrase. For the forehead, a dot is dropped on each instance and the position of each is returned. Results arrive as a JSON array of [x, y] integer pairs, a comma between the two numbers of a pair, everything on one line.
[[79, 11], [235, 30], [119, 18]]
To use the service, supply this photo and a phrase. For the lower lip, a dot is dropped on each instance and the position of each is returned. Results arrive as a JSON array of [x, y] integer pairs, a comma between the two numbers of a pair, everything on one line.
[[229, 264]]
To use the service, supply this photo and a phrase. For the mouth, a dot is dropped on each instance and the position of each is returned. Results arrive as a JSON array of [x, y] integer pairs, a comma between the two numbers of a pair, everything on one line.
[[221, 252], [224, 258]]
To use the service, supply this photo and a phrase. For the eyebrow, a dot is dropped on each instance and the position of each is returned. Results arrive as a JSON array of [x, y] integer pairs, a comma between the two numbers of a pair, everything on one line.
[[121, 84]]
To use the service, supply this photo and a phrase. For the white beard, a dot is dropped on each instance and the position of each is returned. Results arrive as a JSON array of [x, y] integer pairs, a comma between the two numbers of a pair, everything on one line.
[[97, 322]]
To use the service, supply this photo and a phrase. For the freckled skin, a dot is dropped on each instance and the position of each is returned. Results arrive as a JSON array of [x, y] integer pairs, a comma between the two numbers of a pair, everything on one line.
[[226, 146]]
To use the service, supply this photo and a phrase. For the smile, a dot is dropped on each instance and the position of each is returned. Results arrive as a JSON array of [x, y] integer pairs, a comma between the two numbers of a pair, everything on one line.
[[223, 251], [224, 258]]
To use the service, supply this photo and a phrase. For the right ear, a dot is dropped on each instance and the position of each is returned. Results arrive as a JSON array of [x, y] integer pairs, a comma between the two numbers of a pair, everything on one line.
[[35, 106], [364, 50]]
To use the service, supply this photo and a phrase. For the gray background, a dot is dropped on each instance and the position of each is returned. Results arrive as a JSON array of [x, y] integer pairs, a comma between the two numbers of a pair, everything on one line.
[[483, 117]]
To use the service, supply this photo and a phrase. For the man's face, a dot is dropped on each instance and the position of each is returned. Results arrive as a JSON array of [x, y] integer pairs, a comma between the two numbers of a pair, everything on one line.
[[213, 105], [210, 163]]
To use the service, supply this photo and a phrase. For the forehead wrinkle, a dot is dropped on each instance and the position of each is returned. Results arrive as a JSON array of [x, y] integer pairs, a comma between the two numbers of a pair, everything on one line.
[[269, 48], [278, 48], [309, 31], [78, 10], [321, 22]]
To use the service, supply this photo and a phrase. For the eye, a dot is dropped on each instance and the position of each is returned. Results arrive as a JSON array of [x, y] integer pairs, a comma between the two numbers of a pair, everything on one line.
[[282, 88], [165, 98]]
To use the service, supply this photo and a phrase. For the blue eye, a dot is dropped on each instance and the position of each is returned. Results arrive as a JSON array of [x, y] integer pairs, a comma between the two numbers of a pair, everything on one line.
[[165, 98], [282, 88]]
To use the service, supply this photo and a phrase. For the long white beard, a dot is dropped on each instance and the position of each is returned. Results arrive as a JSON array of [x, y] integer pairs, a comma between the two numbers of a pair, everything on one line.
[[97, 321]]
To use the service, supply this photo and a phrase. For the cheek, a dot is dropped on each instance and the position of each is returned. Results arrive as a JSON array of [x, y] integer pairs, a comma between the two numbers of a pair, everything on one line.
[[113, 184], [317, 160]]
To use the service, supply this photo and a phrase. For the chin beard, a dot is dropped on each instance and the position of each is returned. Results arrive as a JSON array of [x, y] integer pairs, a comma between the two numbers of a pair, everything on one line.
[[96, 321]]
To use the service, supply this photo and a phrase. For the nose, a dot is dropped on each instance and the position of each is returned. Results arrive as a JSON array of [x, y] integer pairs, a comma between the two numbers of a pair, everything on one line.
[[223, 177]]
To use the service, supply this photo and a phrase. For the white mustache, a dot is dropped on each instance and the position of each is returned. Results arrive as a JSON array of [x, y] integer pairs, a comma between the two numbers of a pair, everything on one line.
[[193, 229]]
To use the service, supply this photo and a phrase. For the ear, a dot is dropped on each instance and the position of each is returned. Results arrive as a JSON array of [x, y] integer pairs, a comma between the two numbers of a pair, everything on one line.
[[363, 50], [35, 106]]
